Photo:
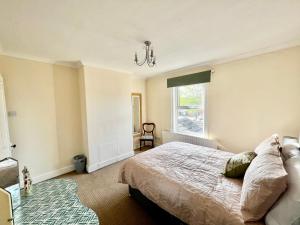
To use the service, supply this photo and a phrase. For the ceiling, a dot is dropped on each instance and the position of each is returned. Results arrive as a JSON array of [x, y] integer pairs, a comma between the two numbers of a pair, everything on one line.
[[106, 33]]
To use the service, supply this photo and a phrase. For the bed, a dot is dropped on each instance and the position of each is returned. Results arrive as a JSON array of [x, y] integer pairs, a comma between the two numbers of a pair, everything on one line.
[[185, 180]]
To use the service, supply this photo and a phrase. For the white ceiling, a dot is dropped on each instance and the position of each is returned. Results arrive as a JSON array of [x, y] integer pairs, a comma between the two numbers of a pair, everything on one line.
[[106, 33]]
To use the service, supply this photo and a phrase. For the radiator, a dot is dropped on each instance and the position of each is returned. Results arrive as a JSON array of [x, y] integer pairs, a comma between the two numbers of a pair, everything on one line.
[[168, 136]]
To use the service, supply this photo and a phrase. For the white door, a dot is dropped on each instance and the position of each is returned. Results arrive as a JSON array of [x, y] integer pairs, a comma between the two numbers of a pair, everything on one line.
[[4, 133]]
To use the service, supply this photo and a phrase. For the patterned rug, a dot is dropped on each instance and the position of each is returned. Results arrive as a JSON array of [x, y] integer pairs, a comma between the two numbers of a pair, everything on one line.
[[54, 202]]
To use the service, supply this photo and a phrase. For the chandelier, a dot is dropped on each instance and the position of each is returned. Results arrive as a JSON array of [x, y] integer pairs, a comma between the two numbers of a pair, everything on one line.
[[149, 56]]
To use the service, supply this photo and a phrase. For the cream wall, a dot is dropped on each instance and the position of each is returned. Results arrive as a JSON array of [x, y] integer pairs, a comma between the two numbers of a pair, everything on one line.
[[248, 99], [62, 111], [139, 86], [47, 124], [108, 116], [68, 114]]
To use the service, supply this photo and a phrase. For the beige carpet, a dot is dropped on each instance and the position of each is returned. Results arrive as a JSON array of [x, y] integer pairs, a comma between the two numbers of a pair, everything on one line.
[[101, 192]]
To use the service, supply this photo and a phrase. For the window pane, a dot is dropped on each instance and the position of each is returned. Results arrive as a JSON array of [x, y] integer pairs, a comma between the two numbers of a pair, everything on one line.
[[190, 95], [189, 109], [190, 121]]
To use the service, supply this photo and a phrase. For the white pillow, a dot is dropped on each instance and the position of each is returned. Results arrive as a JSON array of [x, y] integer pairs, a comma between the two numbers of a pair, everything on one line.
[[264, 181], [266, 145], [287, 209]]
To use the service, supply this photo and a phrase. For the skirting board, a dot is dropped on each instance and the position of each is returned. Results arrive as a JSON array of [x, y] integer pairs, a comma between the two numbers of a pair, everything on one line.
[[70, 168], [49, 175], [99, 165]]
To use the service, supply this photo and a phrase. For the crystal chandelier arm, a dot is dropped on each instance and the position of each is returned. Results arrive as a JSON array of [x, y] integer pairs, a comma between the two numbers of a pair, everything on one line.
[[150, 58], [151, 53], [140, 63], [151, 64]]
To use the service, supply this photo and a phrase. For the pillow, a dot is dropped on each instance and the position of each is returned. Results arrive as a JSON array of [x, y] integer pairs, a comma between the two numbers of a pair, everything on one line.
[[287, 209], [264, 181], [237, 165], [266, 145]]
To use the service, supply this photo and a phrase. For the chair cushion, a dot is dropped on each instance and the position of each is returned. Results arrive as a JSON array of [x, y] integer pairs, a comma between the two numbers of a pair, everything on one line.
[[147, 137]]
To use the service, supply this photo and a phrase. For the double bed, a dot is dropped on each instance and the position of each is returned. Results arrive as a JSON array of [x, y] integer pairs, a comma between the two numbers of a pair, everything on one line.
[[186, 181]]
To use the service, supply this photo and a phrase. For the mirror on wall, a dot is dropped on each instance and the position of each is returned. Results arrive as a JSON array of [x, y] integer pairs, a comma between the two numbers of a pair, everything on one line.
[[136, 101]]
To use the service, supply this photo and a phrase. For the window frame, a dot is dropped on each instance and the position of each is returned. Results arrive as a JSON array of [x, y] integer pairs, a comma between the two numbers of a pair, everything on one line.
[[175, 103]]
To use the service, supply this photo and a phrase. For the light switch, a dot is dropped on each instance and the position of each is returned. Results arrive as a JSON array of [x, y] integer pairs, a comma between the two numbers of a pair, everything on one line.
[[12, 113]]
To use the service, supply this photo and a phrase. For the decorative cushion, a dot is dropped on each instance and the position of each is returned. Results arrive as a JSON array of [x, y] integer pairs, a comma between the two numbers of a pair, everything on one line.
[[266, 145], [296, 222], [264, 181], [237, 165]]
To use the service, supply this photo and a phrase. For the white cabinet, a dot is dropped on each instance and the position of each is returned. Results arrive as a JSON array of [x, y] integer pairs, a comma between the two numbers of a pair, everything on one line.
[[6, 208], [4, 133]]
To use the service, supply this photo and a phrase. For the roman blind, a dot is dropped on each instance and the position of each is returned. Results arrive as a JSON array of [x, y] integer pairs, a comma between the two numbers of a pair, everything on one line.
[[195, 78]]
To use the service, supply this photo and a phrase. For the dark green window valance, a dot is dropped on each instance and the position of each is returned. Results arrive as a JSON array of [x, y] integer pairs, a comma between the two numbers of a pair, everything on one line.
[[195, 78]]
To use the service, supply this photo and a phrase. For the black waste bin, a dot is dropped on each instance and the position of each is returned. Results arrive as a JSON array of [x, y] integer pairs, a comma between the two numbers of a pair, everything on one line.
[[79, 162]]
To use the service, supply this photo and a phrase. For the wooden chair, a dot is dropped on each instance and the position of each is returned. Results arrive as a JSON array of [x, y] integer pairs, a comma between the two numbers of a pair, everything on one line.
[[147, 134]]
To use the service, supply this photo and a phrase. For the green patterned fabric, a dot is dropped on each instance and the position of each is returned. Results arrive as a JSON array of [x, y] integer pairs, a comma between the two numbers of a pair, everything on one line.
[[296, 222], [237, 165], [54, 202], [195, 78]]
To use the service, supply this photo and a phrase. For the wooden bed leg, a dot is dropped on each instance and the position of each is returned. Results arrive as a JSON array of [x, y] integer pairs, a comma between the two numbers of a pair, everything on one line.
[[129, 191]]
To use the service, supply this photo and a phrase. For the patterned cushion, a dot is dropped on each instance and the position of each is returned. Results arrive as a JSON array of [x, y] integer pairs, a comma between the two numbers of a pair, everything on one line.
[[237, 165], [296, 222]]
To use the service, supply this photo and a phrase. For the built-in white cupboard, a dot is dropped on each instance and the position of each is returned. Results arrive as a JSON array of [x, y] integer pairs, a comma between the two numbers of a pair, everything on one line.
[[4, 132]]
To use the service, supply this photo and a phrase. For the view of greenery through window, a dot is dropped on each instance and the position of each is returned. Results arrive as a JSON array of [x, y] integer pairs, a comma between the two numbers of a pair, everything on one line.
[[190, 109]]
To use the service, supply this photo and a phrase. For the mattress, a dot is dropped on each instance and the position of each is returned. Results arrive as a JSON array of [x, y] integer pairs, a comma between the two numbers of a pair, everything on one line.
[[186, 181]]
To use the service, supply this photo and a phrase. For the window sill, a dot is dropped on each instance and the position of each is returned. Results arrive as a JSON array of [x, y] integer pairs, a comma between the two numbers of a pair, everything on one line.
[[191, 135]]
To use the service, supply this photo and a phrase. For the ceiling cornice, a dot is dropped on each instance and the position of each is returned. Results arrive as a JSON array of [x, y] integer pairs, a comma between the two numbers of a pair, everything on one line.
[[261, 51], [38, 59], [209, 64], [72, 64], [97, 66]]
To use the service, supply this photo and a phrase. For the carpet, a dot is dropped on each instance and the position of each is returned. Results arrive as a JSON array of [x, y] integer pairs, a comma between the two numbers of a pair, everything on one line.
[[101, 192], [54, 202]]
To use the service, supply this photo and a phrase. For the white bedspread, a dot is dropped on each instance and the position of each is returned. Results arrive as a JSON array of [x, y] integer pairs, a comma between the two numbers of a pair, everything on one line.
[[186, 181]]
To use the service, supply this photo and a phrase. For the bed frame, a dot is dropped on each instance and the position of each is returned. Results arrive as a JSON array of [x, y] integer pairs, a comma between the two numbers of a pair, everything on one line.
[[157, 212]]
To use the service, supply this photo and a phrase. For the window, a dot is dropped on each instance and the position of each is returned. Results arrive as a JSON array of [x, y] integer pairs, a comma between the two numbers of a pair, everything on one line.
[[189, 109]]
